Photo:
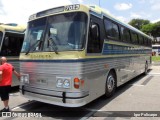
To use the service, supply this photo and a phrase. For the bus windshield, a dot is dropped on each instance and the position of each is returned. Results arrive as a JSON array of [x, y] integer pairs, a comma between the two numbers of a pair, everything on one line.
[[12, 44], [63, 32]]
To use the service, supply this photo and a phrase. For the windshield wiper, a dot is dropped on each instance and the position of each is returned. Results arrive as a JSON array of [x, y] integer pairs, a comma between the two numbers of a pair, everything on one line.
[[33, 46], [53, 45]]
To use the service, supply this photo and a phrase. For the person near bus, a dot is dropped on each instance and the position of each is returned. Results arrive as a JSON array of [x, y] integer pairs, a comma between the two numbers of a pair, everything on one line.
[[6, 71]]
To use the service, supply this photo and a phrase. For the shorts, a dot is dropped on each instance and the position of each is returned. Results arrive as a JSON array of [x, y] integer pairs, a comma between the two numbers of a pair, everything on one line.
[[4, 92]]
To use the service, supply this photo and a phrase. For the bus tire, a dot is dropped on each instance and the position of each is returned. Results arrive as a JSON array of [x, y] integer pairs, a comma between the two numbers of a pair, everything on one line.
[[146, 68], [110, 86]]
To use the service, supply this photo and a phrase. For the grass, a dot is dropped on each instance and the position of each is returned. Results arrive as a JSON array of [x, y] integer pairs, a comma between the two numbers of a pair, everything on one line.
[[155, 58]]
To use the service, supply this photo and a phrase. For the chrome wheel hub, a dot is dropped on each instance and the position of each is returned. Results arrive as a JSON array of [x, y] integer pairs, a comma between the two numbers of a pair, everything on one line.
[[110, 83]]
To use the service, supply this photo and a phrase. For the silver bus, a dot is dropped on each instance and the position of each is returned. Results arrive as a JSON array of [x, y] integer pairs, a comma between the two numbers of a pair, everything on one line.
[[11, 39], [73, 54]]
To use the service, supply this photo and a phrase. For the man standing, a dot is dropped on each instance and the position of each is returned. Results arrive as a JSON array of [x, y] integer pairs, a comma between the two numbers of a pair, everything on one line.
[[6, 70]]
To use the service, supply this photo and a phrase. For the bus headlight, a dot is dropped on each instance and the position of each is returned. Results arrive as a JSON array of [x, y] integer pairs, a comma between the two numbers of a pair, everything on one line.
[[59, 82], [63, 82], [25, 78], [22, 79], [66, 83]]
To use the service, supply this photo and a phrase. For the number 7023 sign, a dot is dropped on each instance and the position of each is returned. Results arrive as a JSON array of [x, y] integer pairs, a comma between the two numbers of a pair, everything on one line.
[[72, 7]]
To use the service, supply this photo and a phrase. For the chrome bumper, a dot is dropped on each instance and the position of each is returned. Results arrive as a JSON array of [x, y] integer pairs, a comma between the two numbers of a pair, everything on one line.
[[68, 99]]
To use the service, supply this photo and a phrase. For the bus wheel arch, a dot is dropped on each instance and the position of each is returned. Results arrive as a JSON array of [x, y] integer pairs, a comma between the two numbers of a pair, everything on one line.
[[111, 83]]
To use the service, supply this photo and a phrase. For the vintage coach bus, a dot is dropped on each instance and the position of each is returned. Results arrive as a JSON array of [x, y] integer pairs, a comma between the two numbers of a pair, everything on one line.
[[74, 54], [11, 40]]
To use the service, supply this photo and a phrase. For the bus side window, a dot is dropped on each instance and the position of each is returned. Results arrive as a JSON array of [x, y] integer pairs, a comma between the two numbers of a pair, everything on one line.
[[111, 29], [125, 35], [94, 39]]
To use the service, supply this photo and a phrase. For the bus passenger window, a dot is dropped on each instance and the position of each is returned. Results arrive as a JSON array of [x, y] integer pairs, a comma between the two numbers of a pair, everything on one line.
[[112, 30], [134, 38], [125, 35], [94, 39], [141, 40]]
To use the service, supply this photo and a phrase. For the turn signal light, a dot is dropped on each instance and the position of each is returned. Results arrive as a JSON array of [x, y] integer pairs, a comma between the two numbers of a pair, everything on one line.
[[76, 83]]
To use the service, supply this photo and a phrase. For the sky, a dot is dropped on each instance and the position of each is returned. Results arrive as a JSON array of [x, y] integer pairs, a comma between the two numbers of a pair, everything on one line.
[[18, 11]]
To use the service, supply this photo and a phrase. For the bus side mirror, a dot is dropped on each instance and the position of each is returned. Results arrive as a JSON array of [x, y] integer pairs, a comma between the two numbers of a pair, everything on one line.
[[94, 31]]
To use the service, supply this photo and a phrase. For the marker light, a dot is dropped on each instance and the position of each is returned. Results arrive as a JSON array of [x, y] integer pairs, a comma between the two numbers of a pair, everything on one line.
[[76, 83]]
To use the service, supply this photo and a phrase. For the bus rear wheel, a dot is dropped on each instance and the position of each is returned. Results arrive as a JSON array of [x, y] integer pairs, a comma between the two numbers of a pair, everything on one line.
[[110, 84]]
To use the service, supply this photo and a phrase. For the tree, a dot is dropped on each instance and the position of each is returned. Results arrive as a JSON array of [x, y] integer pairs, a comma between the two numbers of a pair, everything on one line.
[[152, 29], [148, 29], [156, 29], [138, 23]]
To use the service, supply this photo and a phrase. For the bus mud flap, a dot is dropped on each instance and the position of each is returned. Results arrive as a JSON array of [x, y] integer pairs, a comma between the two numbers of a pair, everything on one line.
[[23, 90], [64, 97]]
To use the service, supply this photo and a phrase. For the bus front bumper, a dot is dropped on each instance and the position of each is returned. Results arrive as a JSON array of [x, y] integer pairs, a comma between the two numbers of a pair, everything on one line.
[[67, 99]]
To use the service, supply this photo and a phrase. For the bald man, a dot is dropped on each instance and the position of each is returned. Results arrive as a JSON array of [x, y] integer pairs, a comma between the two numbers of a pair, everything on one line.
[[6, 70]]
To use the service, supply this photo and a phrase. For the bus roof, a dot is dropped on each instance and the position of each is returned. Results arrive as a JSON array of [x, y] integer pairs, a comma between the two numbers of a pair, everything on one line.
[[100, 12], [9, 28]]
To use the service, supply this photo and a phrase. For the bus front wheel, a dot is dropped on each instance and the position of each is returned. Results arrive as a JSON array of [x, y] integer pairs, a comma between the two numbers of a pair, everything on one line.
[[110, 84]]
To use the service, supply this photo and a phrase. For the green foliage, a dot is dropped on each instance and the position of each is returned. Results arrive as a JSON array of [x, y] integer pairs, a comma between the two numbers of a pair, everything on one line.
[[146, 27], [155, 58], [138, 23], [156, 29], [152, 29]]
